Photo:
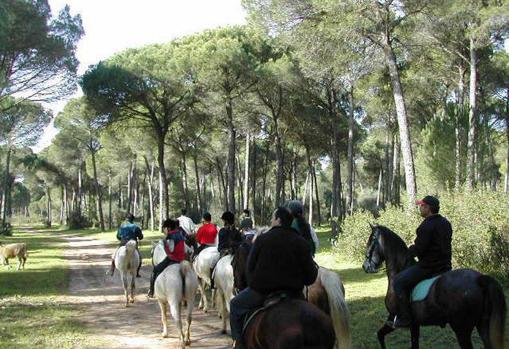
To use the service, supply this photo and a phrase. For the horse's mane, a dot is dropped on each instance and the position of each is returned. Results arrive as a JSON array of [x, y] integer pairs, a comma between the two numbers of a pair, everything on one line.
[[394, 243]]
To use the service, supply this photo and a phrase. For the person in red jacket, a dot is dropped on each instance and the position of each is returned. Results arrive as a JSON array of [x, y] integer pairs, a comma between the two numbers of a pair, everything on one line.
[[174, 246], [206, 235]]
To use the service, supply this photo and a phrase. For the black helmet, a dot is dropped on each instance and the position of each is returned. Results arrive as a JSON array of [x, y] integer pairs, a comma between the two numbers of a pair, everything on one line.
[[228, 217]]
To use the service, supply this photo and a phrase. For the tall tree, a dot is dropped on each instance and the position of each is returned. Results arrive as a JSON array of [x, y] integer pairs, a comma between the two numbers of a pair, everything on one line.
[[138, 84], [37, 51]]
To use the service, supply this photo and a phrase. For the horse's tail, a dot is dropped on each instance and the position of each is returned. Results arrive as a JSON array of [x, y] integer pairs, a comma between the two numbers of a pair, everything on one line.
[[339, 312], [130, 249], [189, 281], [494, 312]]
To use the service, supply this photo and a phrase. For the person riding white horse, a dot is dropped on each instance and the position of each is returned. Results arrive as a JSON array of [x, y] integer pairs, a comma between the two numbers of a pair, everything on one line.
[[128, 231], [176, 283], [126, 261], [174, 246]]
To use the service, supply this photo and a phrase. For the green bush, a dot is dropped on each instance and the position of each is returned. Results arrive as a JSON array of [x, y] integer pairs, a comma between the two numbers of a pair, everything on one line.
[[480, 222], [6, 229], [77, 221]]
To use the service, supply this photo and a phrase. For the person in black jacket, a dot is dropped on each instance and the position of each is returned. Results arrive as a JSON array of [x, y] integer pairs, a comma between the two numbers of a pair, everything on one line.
[[229, 237], [280, 260], [432, 247]]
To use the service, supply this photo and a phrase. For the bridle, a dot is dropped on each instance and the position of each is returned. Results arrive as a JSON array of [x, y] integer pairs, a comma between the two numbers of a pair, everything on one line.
[[375, 244]]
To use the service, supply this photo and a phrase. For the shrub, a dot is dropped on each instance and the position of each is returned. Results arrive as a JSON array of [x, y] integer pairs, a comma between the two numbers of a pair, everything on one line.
[[6, 229], [77, 221], [480, 229]]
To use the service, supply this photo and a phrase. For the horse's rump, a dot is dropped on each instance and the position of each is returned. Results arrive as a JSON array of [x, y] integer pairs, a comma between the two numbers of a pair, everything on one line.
[[290, 324]]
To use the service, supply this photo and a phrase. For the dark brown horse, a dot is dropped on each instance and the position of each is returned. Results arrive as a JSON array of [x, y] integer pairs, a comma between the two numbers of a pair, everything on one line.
[[297, 323], [463, 298]]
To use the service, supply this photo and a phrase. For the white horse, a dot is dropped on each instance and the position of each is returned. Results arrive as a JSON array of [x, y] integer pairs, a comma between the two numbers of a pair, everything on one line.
[[127, 261], [223, 279], [177, 283], [202, 266]]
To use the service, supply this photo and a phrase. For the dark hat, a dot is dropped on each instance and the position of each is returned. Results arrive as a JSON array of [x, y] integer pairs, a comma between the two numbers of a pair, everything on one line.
[[228, 217], [247, 223], [130, 217], [429, 200]]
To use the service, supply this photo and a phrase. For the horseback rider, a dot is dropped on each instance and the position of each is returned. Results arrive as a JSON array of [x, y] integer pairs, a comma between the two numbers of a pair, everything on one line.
[[186, 223], [280, 260], [300, 224], [229, 237], [433, 248], [174, 248], [128, 231], [246, 228], [206, 235]]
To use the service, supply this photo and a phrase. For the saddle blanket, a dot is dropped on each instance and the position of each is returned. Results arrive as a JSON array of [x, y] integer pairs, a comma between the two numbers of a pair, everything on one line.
[[420, 292]]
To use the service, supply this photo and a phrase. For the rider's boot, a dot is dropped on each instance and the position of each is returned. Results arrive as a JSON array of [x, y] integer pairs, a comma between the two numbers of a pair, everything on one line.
[[112, 270], [151, 288], [403, 318], [212, 285], [139, 266]]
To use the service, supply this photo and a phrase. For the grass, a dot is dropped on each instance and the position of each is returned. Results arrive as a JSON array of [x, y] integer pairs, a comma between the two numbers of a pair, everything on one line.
[[30, 313], [365, 294]]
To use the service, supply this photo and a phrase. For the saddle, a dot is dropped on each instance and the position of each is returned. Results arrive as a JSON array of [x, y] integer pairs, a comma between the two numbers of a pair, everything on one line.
[[272, 300], [421, 290]]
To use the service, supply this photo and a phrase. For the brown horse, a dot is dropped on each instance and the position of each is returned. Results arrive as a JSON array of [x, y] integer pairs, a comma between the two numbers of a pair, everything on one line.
[[290, 324], [327, 293], [463, 298]]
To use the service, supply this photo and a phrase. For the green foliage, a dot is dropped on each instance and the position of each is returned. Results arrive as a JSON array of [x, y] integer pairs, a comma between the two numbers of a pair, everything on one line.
[[480, 230], [78, 221]]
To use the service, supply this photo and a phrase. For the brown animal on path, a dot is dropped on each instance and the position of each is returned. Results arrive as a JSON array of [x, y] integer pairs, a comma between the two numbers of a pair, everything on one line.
[[18, 250]]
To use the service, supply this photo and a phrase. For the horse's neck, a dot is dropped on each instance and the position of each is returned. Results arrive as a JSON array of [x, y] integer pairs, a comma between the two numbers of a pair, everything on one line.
[[396, 260]]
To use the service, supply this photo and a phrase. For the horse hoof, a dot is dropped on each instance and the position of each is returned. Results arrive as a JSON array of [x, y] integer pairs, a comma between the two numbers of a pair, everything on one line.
[[131, 300], [223, 331], [165, 335]]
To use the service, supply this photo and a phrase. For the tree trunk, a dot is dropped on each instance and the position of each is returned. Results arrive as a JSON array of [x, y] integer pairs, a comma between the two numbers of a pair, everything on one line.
[[279, 162], [457, 127], [66, 205], [404, 131], [80, 190], [129, 188], [98, 193], [379, 188], [264, 181], [253, 179], [5, 196], [110, 215], [349, 197], [395, 176], [223, 183], [246, 173], [197, 176], [310, 213], [231, 156], [185, 181], [150, 193], [506, 183], [472, 115], [164, 198], [49, 207], [316, 195]]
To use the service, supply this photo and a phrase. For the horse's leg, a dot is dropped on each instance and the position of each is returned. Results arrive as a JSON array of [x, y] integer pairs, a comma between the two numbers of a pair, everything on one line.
[[414, 334], [19, 263], [383, 331], [164, 320], [133, 286], [126, 290], [463, 334], [175, 306], [189, 315], [204, 296], [484, 333]]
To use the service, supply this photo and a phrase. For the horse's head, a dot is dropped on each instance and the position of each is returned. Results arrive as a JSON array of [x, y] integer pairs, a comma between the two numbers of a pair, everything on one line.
[[374, 251], [239, 265]]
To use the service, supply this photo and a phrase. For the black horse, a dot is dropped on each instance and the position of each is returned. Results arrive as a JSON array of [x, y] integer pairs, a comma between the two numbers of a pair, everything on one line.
[[289, 324], [463, 298]]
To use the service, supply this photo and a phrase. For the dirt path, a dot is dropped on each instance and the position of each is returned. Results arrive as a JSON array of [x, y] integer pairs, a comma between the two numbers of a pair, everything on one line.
[[104, 313]]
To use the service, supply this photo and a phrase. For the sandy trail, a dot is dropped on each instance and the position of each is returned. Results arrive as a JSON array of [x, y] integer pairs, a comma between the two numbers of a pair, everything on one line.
[[138, 326]]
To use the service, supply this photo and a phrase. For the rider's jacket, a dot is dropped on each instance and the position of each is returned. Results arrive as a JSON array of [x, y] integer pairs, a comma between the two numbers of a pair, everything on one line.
[[229, 239], [129, 231], [206, 235], [280, 260], [178, 254], [433, 244]]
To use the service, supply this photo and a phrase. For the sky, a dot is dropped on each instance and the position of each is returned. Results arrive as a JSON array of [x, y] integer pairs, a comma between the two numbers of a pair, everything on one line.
[[112, 26]]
